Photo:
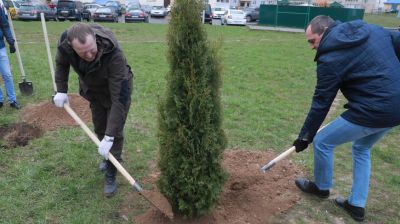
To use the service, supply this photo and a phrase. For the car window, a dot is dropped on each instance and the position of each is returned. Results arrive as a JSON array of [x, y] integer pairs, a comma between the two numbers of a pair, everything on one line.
[[26, 7], [236, 12], [102, 10], [114, 4], [65, 4], [134, 7]]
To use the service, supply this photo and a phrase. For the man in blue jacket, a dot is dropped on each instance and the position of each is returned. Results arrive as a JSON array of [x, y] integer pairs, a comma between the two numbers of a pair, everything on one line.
[[359, 60], [5, 69]]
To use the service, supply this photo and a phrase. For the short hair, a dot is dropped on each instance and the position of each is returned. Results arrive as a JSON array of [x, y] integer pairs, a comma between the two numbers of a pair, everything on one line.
[[320, 23], [80, 31]]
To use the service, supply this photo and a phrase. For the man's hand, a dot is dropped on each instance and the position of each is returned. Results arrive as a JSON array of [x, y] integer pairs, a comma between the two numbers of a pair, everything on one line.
[[300, 144], [60, 98], [12, 49], [105, 146]]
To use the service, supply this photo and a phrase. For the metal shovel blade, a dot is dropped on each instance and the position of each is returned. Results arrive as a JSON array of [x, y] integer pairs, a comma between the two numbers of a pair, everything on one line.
[[25, 87]]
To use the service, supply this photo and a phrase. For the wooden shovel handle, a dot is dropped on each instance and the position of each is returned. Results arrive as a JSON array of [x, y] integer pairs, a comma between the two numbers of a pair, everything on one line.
[[97, 142], [49, 57], [21, 67]]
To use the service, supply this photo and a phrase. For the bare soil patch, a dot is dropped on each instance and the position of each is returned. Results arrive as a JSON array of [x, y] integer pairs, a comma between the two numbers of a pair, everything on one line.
[[42, 117], [18, 134], [249, 196]]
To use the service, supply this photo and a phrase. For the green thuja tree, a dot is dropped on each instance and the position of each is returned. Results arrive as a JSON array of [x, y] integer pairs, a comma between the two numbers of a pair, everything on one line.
[[190, 134]]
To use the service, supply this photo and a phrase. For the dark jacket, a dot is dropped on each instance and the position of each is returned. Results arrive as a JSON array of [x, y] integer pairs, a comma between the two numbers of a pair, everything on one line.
[[360, 60], [5, 30], [106, 80]]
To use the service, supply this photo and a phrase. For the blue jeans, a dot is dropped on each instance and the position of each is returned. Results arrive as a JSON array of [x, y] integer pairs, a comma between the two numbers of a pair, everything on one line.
[[336, 133], [7, 77]]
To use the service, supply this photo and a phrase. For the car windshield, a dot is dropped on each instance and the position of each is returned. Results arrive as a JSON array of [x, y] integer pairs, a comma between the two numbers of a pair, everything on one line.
[[103, 10], [157, 7], [133, 7], [112, 4], [219, 9], [65, 4], [236, 12], [26, 7]]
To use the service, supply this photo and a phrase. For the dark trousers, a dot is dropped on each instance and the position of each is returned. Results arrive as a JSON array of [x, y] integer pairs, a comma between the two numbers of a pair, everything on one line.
[[100, 114]]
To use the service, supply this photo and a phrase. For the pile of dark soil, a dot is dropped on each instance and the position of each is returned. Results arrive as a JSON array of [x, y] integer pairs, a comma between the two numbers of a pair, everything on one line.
[[48, 117]]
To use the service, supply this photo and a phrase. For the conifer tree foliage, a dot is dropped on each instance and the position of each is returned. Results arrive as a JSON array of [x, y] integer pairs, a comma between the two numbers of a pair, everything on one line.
[[190, 132]]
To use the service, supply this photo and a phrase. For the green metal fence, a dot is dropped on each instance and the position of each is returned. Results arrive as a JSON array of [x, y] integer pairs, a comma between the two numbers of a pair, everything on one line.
[[299, 16]]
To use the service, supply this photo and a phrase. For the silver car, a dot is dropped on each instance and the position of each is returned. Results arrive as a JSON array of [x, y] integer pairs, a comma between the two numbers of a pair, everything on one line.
[[158, 11]]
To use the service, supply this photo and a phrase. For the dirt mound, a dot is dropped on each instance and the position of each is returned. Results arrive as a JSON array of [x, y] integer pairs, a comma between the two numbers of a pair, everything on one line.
[[19, 134], [48, 117], [249, 196]]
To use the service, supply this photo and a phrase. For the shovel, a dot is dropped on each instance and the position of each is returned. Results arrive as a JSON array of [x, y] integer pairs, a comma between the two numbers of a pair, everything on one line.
[[25, 87], [283, 155], [156, 199]]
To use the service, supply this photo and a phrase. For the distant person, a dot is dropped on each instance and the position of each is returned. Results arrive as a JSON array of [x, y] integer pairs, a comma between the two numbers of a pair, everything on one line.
[[359, 60], [5, 69], [105, 80]]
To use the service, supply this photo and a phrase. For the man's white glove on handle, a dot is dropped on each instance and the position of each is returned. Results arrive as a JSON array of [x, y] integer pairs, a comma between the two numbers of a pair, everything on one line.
[[105, 146], [60, 98]]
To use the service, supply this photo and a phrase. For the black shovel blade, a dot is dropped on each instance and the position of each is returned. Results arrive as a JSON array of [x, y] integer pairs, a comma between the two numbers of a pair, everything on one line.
[[26, 88]]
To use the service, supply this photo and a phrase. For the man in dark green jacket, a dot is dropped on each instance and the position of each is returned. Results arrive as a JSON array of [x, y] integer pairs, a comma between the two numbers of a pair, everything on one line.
[[105, 80]]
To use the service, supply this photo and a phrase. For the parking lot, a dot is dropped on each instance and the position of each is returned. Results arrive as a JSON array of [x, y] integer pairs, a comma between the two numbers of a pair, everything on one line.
[[165, 20]]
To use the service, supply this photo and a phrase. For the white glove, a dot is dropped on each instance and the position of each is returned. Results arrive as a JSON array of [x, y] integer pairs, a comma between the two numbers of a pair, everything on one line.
[[105, 146], [60, 98]]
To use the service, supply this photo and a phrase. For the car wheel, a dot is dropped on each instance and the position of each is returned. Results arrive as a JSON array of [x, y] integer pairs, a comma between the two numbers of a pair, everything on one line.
[[248, 18]]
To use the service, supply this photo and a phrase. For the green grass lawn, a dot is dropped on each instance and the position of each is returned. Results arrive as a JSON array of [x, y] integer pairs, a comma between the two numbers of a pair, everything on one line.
[[268, 83]]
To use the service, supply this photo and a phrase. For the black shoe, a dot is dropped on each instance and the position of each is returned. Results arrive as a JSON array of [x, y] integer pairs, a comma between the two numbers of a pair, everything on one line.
[[15, 105], [1, 104], [110, 182], [310, 187], [357, 213]]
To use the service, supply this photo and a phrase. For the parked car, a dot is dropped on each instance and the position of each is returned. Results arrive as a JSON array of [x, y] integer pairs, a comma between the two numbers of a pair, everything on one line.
[[116, 5], [86, 14], [32, 12], [234, 17], [131, 4], [207, 14], [105, 14], [136, 15], [12, 6], [91, 7], [158, 11], [252, 14], [69, 9], [146, 8], [217, 13]]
